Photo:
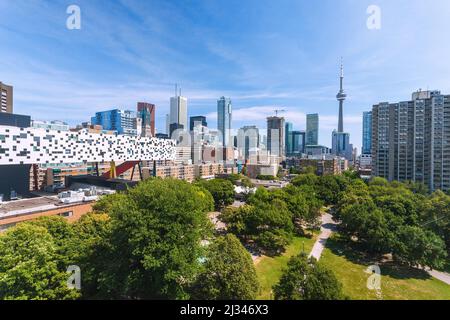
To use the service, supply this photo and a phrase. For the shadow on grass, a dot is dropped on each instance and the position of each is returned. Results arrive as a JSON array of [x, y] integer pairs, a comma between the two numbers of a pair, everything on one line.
[[354, 253]]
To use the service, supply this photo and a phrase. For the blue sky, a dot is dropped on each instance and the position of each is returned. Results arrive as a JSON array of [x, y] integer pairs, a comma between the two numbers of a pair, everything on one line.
[[264, 55]]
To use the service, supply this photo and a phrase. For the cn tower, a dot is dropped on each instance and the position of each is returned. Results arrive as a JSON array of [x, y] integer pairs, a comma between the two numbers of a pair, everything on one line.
[[341, 97]]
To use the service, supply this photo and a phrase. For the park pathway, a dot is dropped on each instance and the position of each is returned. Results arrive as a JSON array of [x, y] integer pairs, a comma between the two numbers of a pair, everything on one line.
[[443, 276], [327, 228]]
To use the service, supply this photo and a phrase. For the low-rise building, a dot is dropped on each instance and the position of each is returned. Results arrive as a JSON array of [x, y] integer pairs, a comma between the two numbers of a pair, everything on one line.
[[322, 166], [254, 170], [176, 171], [14, 212]]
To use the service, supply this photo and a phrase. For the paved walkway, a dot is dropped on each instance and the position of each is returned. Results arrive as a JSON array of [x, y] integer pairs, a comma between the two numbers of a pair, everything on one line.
[[327, 228], [443, 276]]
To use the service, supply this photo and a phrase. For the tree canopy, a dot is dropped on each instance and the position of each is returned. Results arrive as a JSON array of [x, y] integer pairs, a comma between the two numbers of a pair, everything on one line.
[[228, 272], [30, 265], [221, 190], [305, 279]]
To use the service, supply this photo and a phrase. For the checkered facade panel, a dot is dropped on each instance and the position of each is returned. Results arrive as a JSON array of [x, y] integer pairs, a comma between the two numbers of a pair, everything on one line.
[[35, 146]]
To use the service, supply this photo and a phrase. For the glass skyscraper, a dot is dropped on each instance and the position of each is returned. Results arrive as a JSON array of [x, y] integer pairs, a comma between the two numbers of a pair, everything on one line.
[[197, 120], [122, 121], [289, 138], [224, 117], [367, 133], [312, 129], [298, 142]]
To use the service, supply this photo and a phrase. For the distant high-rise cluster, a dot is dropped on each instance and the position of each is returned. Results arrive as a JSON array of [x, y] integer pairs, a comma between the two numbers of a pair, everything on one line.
[[295, 141], [411, 140], [121, 121]]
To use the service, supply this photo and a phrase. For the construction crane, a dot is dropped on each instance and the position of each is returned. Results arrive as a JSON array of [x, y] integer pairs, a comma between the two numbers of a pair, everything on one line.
[[278, 111]]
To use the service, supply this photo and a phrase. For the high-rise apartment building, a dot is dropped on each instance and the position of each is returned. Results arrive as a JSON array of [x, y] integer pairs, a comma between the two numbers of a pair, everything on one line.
[[6, 98], [312, 129], [367, 133], [122, 121], [224, 118], [411, 140], [178, 113], [276, 136], [146, 112]]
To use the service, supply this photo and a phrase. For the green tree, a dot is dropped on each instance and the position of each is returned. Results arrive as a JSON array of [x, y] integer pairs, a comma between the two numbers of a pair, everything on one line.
[[436, 217], [416, 246], [155, 243], [221, 190], [378, 181], [30, 266], [309, 179], [88, 247], [307, 280], [62, 233], [228, 272], [368, 224], [268, 224]]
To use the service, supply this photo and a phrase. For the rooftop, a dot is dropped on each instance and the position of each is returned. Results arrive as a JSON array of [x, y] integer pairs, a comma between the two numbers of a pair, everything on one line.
[[27, 206]]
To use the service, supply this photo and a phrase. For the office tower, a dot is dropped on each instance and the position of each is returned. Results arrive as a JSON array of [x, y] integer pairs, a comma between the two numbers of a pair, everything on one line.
[[341, 146], [178, 113], [367, 133], [6, 98], [224, 118], [276, 136], [248, 141], [197, 120], [410, 140], [288, 138], [298, 143], [198, 130], [146, 112], [312, 129], [341, 98], [122, 121]]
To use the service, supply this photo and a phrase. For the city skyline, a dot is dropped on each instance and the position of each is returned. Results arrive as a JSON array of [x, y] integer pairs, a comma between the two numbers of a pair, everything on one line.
[[111, 61]]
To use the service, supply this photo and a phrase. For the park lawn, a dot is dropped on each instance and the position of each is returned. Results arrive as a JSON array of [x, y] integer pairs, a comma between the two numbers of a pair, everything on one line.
[[269, 269], [397, 282]]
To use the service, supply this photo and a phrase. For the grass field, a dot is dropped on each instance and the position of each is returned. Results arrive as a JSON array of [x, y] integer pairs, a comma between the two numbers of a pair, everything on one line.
[[397, 283], [269, 269]]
